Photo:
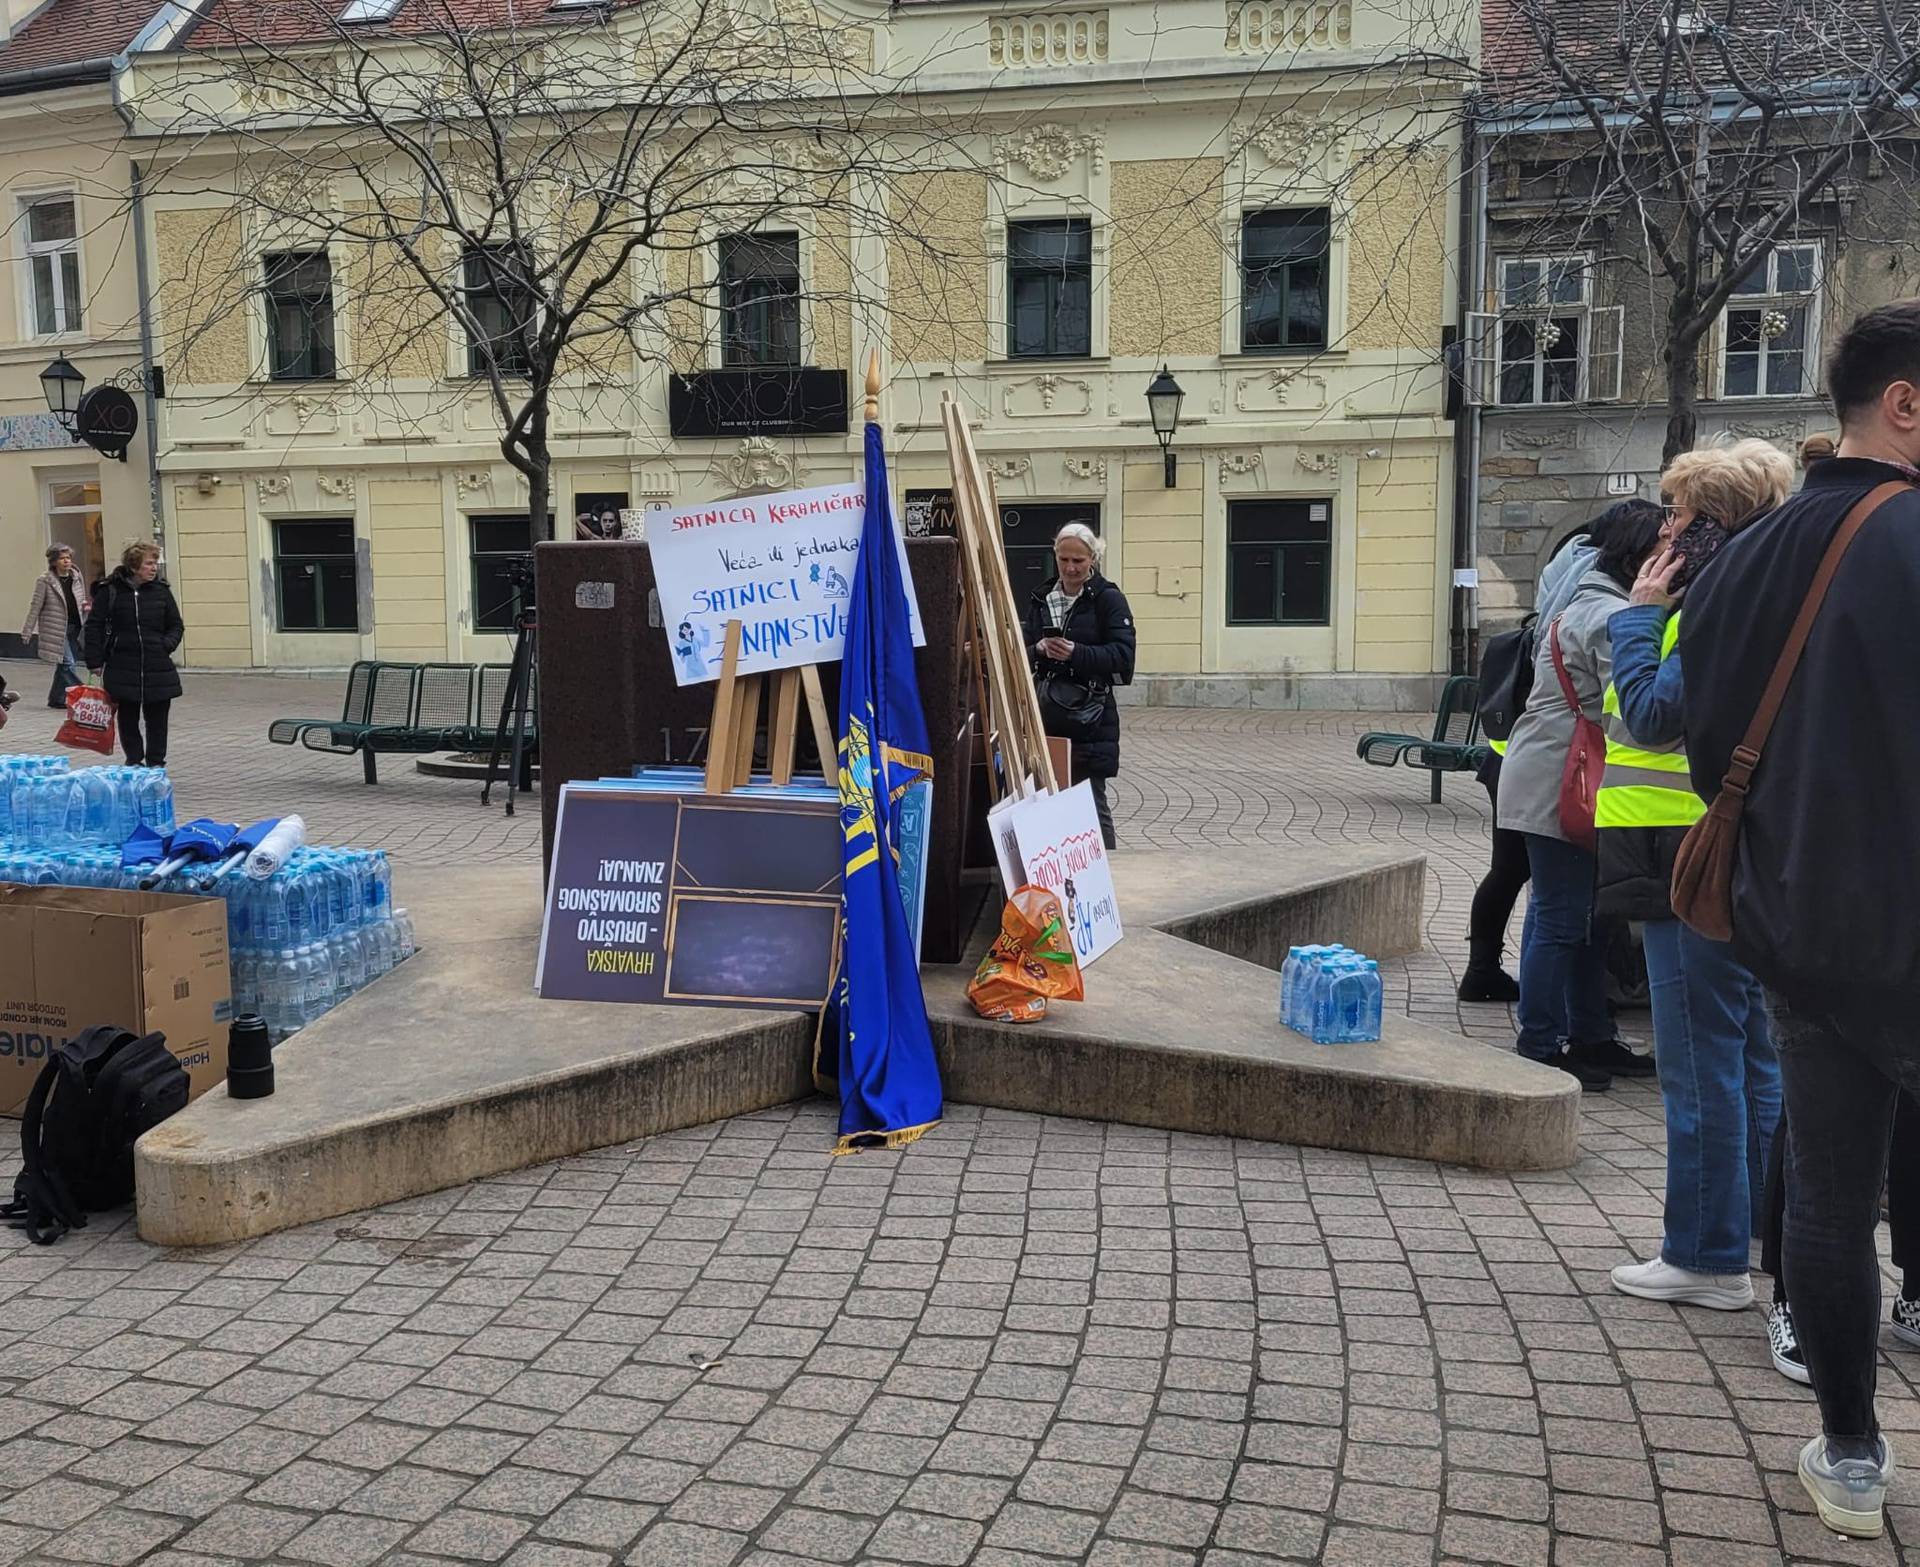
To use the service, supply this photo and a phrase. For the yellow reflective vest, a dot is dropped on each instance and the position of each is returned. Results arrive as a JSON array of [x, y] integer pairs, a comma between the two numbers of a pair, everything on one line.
[[1644, 786]]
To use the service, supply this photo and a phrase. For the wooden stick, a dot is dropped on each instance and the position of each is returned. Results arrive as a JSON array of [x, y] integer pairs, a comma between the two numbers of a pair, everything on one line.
[[783, 732], [725, 714], [822, 725], [747, 728]]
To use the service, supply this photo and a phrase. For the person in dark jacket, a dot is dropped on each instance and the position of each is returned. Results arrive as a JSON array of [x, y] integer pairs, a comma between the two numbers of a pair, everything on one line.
[[1824, 905], [132, 631], [1719, 1076], [1080, 635]]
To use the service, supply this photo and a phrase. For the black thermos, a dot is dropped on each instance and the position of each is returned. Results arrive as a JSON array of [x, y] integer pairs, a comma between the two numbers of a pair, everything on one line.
[[249, 1058]]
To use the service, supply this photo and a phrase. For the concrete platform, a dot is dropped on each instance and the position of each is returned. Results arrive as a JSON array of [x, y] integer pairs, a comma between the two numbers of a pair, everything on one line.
[[450, 1068]]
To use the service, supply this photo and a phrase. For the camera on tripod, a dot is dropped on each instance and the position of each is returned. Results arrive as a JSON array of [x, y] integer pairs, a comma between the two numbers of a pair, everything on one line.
[[519, 573]]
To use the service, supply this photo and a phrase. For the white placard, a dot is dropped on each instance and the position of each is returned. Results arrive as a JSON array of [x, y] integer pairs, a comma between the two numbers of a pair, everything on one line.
[[1061, 850], [782, 565]]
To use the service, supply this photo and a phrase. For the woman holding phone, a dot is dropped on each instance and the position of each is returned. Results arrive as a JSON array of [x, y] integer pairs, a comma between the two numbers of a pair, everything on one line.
[[1719, 1076], [1079, 634]]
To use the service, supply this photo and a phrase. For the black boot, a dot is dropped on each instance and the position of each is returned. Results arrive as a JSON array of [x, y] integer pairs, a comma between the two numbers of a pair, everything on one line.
[[1485, 979]]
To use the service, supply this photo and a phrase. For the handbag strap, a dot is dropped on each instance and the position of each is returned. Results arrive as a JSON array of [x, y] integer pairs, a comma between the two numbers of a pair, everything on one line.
[[1560, 669], [1746, 755]]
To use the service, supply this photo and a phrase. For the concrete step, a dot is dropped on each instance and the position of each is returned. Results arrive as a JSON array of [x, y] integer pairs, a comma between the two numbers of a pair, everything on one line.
[[450, 1069]]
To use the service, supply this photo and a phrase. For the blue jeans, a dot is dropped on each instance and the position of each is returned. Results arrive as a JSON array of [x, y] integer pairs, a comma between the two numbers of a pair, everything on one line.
[[65, 673], [1563, 961], [1720, 1082]]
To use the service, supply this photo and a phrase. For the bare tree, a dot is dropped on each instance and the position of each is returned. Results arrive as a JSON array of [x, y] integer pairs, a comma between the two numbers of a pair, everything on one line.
[[1700, 134], [530, 199]]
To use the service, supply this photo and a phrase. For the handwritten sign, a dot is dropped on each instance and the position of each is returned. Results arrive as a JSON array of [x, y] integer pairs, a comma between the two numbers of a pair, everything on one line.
[[1060, 849], [781, 565]]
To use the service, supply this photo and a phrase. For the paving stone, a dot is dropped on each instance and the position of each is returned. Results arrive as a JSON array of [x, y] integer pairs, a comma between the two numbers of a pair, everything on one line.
[[470, 1536], [343, 1540]]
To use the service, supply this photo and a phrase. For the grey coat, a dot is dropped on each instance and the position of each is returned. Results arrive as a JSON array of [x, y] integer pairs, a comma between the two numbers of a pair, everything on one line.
[[47, 617], [1537, 749]]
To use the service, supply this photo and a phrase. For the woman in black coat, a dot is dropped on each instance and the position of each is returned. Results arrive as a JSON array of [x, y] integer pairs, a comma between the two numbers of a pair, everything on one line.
[[132, 631], [1079, 632]]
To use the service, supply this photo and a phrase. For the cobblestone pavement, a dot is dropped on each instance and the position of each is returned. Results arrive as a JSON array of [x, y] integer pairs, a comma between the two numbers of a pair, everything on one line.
[[1019, 1341]]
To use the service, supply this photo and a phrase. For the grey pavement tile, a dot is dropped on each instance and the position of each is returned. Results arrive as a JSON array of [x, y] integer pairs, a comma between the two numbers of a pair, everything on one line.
[[245, 1530], [470, 1536], [343, 1540], [113, 1538], [597, 1521]]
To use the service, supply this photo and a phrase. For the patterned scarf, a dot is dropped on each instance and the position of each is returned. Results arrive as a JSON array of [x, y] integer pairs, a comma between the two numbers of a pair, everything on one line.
[[1060, 605]]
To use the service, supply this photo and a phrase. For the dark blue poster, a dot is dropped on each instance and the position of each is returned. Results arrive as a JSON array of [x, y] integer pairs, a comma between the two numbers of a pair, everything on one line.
[[707, 900]]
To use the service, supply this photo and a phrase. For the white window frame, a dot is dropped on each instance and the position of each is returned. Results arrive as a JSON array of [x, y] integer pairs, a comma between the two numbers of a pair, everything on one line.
[[1582, 263], [358, 12], [1771, 297], [29, 249]]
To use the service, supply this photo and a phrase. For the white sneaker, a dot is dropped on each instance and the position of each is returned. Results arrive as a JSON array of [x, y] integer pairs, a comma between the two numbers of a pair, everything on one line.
[[1661, 1280], [1851, 1493], [1905, 1324]]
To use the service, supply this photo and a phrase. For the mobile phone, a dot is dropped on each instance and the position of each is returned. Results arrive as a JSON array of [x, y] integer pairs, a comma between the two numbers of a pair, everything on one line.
[[1051, 631], [1698, 543]]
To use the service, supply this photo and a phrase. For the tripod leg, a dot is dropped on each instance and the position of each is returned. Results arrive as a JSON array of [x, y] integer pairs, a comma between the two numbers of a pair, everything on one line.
[[516, 677]]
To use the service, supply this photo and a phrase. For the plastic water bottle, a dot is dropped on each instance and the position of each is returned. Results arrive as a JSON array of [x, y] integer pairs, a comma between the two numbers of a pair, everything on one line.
[[404, 944], [280, 993], [269, 922], [381, 949], [155, 794], [349, 963], [320, 981], [1376, 1001], [1289, 979], [381, 875]]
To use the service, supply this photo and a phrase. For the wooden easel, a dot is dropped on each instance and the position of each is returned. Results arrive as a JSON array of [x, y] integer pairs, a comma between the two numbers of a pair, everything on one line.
[[1009, 709], [736, 719]]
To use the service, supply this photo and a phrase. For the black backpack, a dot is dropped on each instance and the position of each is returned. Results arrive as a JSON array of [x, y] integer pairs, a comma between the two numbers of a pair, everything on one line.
[[1506, 678], [95, 1096]]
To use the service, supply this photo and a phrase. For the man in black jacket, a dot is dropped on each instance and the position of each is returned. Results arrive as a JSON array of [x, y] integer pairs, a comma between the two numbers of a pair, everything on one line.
[[1825, 904]]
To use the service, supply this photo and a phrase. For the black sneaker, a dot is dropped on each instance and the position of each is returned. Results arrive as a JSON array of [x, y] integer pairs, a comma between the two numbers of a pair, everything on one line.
[[1615, 1058], [1785, 1344], [1905, 1322], [1488, 984], [1597, 1078]]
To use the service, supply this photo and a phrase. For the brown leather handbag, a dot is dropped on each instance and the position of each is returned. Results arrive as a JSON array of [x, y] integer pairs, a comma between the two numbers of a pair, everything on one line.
[[1703, 869]]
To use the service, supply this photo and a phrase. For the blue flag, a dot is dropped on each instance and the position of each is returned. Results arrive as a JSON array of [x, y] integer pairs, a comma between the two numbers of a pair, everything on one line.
[[889, 1082]]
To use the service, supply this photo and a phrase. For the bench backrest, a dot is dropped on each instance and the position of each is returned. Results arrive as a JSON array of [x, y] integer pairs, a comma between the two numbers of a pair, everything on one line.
[[493, 692], [390, 699], [446, 696], [1458, 720], [359, 693]]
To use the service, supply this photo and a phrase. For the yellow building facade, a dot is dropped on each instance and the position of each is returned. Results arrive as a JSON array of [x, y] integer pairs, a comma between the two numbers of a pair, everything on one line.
[[70, 290], [1260, 198]]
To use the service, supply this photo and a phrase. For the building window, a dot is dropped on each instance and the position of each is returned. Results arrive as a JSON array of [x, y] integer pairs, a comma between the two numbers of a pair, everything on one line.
[[53, 265], [1050, 289], [501, 306], [497, 544], [1542, 340], [1279, 563], [1027, 532], [1768, 334], [760, 300], [1283, 279], [299, 315], [316, 577], [74, 518], [596, 515]]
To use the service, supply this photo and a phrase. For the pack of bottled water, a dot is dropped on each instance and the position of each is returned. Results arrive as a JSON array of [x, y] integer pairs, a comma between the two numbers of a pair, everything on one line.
[[300, 941], [51, 809], [1332, 994], [305, 938]]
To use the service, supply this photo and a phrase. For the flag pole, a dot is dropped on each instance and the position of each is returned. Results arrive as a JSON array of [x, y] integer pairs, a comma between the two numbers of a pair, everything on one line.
[[873, 386]]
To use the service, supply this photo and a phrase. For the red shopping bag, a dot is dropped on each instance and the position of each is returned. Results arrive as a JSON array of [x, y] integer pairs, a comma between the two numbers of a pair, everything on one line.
[[89, 722]]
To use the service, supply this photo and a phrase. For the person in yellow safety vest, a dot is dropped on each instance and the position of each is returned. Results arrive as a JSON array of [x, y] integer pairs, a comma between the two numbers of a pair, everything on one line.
[[1719, 1075]]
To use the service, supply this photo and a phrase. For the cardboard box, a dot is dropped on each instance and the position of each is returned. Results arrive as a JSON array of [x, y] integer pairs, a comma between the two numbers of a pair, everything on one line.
[[71, 957]]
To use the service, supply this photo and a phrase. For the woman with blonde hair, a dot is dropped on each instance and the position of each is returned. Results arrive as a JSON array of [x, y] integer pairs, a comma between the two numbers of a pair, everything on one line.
[[54, 620], [132, 631], [1719, 1076]]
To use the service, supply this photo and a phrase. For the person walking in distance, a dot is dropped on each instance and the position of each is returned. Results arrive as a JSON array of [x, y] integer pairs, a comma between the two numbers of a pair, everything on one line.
[[1079, 634], [1802, 645], [55, 621], [132, 631], [1719, 1076]]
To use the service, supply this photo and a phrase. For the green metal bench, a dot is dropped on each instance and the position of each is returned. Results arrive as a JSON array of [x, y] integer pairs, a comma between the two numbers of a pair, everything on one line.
[[379, 696], [1453, 747]]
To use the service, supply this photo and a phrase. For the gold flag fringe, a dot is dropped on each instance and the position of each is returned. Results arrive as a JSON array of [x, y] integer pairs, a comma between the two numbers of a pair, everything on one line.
[[860, 1142]]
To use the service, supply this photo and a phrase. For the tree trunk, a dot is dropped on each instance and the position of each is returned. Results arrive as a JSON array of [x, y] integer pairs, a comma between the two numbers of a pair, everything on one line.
[[1683, 395], [540, 494]]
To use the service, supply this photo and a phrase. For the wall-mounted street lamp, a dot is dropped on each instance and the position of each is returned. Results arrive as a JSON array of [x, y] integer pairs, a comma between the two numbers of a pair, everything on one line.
[[61, 383], [105, 418], [1163, 407]]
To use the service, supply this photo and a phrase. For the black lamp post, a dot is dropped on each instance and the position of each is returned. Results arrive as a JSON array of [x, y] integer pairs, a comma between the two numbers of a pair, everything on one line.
[[62, 384], [1163, 407]]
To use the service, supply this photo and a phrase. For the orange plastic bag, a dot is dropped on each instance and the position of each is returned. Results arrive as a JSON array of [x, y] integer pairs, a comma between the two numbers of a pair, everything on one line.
[[89, 722], [1030, 963]]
